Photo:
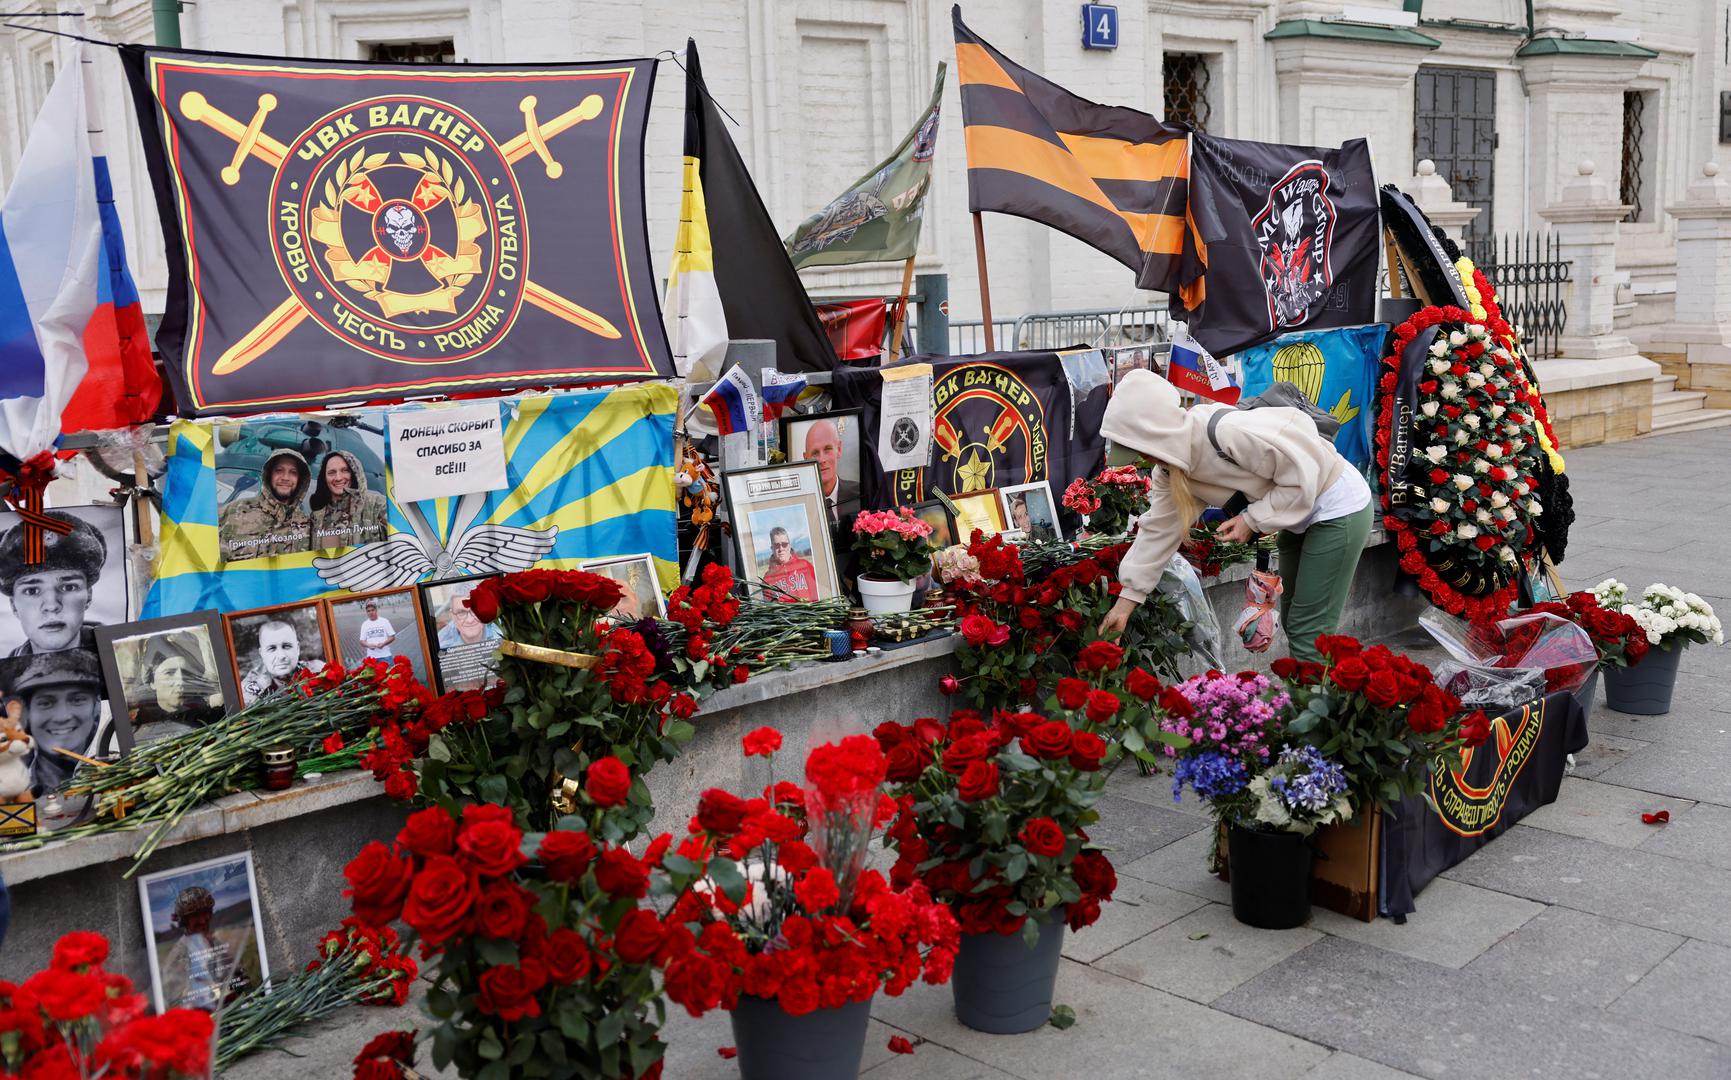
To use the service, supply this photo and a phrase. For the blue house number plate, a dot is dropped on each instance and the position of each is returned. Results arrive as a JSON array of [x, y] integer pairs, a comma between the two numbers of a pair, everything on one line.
[[1099, 26]]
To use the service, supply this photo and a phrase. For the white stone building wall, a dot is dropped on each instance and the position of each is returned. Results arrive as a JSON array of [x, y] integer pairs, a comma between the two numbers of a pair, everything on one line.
[[822, 88]]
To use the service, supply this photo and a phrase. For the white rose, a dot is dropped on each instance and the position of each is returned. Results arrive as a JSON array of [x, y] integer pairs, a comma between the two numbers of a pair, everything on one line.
[[1481, 467], [1436, 454], [1499, 500], [1462, 482], [1508, 513], [1428, 408], [1439, 347], [1470, 421], [1507, 554], [1494, 451], [1437, 367], [1461, 437], [1534, 508], [1487, 370], [1475, 380], [1476, 332], [1497, 412], [1451, 390], [1439, 506], [1482, 516], [1457, 339], [1465, 531], [1521, 489]]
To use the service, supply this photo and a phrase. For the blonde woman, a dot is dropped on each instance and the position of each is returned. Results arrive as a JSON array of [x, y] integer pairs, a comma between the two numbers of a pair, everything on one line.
[[1295, 480]]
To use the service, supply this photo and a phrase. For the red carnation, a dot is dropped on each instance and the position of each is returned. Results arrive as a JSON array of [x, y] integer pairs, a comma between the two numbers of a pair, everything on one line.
[[721, 812], [762, 743]]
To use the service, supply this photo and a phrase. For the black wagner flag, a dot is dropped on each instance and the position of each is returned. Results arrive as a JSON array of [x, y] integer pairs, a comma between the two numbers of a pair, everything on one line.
[[1292, 235], [342, 231], [761, 293], [1110, 176], [998, 419]]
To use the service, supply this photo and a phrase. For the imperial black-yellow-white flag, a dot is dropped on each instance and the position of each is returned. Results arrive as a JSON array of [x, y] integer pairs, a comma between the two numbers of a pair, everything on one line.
[[340, 231]]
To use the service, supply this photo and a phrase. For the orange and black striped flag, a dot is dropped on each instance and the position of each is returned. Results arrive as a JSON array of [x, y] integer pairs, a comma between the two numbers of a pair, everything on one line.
[[1113, 177]]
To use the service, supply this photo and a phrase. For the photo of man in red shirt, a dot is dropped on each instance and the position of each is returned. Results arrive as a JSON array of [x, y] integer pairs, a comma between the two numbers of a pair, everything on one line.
[[793, 576]]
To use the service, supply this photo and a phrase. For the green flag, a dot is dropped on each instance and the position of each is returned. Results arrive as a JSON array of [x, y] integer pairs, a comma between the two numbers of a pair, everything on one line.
[[878, 218]]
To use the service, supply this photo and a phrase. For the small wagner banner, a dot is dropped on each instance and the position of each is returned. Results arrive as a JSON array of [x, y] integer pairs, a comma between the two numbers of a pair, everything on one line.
[[587, 475], [1517, 770], [344, 231], [997, 419]]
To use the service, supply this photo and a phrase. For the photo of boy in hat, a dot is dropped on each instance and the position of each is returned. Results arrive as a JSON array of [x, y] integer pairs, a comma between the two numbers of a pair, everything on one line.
[[50, 600]]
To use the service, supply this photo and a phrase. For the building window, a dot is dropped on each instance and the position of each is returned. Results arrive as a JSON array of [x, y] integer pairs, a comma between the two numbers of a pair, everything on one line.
[[436, 51], [1186, 90], [1632, 183], [1455, 125]]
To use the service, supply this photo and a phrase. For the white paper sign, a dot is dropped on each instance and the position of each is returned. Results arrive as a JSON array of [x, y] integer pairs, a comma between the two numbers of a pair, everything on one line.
[[905, 417], [442, 453]]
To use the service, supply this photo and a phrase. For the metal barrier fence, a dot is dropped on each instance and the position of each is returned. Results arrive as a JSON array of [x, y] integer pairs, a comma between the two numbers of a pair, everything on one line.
[[1089, 328], [1530, 276]]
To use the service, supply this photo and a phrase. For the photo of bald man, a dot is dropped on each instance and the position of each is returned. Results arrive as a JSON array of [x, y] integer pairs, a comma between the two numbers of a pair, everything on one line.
[[832, 440]]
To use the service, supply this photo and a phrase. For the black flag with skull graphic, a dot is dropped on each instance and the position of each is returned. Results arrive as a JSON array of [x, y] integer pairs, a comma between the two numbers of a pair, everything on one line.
[[342, 231], [1291, 238]]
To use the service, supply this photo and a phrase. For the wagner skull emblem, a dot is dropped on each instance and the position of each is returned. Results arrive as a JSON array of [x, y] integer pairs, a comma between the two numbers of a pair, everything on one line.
[[401, 227]]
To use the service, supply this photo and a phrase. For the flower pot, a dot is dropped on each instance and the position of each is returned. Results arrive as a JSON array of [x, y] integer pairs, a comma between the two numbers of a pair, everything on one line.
[[823, 1045], [1588, 695], [879, 595], [1270, 877], [1003, 987], [1644, 689]]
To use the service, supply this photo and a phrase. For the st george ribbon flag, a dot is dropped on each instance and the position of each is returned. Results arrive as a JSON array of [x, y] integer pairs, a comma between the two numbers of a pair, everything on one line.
[[878, 218], [342, 230], [730, 276], [1292, 237], [1112, 177]]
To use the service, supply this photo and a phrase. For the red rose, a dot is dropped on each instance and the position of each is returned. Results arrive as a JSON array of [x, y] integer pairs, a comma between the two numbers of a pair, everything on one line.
[[720, 811], [484, 601], [1350, 674], [640, 933], [401, 786], [1142, 684], [1072, 693], [964, 752], [502, 909], [1000, 636], [979, 781], [762, 742], [493, 848], [508, 991], [1383, 689], [567, 956], [566, 855], [1050, 740], [976, 629], [440, 899], [906, 761], [429, 832], [1030, 618], [1102, 705], [608, 782], [949, 684], [1042, 836], [1070, 619], [1476, 728], [1100, 656], [619, 873], [1087, 751], [378, 881], [1285, 667]]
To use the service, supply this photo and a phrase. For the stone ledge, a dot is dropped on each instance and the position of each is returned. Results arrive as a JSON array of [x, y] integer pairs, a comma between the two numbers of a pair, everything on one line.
[[820, 673], [1560, 376]]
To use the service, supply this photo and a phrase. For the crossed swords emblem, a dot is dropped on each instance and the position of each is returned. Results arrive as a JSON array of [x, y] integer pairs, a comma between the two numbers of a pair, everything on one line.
[[251, 140]]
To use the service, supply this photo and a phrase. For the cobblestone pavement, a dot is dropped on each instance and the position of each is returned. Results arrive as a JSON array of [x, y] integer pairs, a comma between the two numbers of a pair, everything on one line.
[[1581, 944]]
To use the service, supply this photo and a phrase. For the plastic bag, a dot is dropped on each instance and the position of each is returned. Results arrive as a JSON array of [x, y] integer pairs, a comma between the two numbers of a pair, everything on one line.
[[1181, 582], [1493, 689], [1560, 654], [1260, 619]]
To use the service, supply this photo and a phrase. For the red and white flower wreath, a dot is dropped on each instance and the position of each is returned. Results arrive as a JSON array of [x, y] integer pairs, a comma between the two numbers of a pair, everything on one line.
[[1475, 447]]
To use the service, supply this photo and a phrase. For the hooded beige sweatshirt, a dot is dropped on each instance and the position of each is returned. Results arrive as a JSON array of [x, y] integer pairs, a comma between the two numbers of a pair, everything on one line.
[[1282, 465]]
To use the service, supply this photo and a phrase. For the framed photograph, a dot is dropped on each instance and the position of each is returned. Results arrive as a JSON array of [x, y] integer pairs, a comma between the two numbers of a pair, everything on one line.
[[269, 646], [781, 529], [642, 586], [310, 483], [204, 935], [166, 676], [978, 510], [1031, 512], [465, 649], [943, 523], [832, 439], [379, 625]]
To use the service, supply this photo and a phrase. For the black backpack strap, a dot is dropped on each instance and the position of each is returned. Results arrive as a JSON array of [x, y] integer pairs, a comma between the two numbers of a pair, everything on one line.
[[1213, 439]]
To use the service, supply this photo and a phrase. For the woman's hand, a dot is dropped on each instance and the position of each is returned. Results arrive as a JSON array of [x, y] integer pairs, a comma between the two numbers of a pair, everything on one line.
[[1236, 531], [1118, 618]]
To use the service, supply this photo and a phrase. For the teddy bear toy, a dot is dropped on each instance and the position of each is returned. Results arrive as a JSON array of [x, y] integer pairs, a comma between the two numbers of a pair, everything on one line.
[[15, 747]]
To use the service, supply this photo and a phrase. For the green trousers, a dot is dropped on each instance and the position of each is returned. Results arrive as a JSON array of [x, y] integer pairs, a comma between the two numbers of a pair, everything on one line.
[[1316, 569]]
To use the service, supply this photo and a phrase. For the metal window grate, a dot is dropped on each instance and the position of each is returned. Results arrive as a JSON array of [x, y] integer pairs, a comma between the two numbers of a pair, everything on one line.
[[1455, 125], [1186, 92], [1530, 276], [1631, 185], [437, 51]]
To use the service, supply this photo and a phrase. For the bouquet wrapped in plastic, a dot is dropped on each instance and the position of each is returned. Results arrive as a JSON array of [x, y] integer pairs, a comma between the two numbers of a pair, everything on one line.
[[1501, 663]]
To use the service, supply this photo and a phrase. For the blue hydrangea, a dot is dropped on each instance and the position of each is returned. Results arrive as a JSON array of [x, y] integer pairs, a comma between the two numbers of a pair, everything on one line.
[[1309, 781], [1211, 774]]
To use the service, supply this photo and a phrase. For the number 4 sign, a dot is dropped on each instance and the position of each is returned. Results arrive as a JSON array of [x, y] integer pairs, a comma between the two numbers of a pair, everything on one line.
[[1099, 26]]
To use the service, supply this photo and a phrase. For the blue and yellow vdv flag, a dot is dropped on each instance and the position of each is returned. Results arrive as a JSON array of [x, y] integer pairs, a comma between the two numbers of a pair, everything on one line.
[[1335, 369], [588, 475]]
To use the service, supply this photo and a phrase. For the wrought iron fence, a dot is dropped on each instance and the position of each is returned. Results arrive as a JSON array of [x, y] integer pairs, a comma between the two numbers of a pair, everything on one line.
[[1091, 328], [1531, 277]]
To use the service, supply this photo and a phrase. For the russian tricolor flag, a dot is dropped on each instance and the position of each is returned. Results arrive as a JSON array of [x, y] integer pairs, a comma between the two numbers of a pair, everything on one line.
[[733, 401], [1192, 369], [67, 306], [780, 391]]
